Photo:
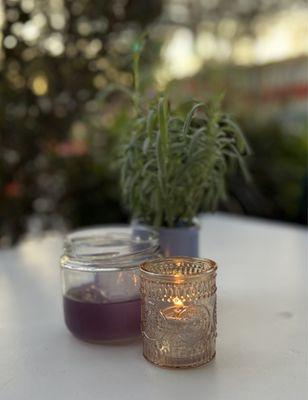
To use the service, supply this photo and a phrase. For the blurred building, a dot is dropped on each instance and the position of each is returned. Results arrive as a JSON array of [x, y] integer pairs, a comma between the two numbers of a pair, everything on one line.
[[273, 92], [276, 91]]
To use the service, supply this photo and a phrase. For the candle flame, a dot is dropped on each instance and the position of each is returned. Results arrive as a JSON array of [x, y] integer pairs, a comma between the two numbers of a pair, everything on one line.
[[178, 302]]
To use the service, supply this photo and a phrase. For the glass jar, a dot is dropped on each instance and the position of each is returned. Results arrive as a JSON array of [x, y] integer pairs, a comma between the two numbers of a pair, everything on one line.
[[178, 302], [100, 281]]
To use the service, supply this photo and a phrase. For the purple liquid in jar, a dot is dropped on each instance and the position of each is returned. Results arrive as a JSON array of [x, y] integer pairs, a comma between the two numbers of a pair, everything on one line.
[[89, 317]]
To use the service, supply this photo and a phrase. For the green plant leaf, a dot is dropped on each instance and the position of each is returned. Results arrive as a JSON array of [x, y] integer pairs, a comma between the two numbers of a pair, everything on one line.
[[189, 117]]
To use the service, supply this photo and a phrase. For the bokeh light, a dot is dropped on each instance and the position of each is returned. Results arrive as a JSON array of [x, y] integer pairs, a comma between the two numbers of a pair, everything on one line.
[[39, 84], [61, 122]]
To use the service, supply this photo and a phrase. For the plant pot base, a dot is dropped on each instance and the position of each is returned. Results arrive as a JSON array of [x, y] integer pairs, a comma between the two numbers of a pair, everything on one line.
[[182, 241]]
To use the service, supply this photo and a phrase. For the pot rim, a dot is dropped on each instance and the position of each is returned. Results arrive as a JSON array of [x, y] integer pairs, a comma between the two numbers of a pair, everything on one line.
[[171, 274], [195, 226]]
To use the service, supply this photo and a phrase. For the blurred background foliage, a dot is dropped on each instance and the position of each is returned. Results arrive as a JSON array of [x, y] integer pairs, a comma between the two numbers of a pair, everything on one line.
[[59, 134]]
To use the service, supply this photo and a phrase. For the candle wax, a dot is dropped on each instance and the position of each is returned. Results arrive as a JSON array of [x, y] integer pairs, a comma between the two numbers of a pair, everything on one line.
[[89, 317]]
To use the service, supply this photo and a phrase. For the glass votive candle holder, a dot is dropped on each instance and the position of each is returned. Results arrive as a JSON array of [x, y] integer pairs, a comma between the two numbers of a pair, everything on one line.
[[100, 281], [178, 311]]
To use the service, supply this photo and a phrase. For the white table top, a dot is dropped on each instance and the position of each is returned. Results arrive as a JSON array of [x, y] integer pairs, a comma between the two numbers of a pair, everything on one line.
[[262, 326]]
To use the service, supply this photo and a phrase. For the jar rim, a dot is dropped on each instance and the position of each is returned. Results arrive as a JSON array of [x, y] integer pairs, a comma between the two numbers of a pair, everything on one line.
[[109, 247], [178, 269]]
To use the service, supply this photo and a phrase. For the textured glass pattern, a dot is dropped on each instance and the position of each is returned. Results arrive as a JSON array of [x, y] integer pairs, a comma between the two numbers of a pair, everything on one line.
[[178, 302]]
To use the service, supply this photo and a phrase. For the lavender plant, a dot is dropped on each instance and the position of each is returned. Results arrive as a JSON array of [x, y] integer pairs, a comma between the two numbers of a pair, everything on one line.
[[173, 167]]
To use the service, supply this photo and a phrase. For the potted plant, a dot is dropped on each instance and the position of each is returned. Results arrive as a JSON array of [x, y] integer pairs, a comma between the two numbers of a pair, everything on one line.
[[172, 167]]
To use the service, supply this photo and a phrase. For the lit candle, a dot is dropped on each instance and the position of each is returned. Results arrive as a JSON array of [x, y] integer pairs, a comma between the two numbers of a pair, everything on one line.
[[175, 311], [179, 311]]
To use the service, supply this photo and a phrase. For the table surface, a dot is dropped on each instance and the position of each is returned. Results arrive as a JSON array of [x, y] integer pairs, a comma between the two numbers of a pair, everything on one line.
[[262, 325]]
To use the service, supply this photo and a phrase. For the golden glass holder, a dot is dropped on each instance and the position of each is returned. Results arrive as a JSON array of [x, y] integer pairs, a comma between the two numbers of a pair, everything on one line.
[[178, 311]]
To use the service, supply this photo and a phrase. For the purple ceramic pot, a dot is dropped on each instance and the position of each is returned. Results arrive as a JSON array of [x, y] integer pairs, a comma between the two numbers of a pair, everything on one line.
[[179, 241]]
